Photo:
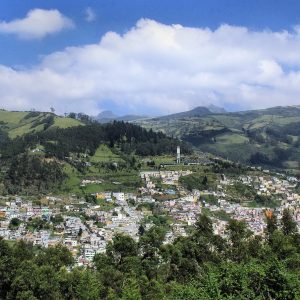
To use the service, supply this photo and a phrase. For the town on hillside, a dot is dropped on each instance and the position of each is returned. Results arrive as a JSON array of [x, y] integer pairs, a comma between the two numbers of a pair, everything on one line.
[[171, 195]]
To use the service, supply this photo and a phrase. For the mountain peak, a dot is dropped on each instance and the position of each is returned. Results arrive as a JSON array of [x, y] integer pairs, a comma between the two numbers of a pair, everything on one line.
[[198, 111], [216, 109], [106, 114]]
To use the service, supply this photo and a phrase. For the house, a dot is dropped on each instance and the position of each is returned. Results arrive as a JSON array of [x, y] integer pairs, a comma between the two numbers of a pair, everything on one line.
[[120, 197]]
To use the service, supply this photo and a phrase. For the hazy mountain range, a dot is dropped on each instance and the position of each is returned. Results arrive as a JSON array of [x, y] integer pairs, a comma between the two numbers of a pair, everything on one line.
[[268, 137], [108, 116]]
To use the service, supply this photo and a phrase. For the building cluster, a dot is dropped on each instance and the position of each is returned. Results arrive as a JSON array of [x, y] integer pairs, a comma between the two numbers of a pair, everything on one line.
[[87, 228], [83, 228], [281, 188], [167, 178]]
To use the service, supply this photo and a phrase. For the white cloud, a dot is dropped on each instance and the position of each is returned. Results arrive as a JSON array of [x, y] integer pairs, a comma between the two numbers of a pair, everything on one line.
[[90, 14], [164, 68], [37, 24]]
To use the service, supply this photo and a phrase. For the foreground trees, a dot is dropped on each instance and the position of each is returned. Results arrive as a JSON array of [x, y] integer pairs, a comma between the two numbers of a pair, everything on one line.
[[200, 266]]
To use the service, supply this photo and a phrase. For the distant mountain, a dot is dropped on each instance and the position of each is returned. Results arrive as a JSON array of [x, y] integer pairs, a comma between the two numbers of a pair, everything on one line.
[[216, 109], [108, 116], [199, 111], [195, 112], [269, 137], [128, 118]]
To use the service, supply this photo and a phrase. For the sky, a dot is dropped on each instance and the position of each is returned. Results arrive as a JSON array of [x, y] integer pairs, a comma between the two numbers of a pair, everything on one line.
[[148, 57]]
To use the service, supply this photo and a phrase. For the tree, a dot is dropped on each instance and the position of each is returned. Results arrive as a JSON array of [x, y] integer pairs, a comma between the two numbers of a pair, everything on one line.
[[122, 246], [271, 224], [7, 268], [72, 115], [289, 226], [58, 256], [14, 223], [204, 226], [131, 290], [141, 230], [154, 290], [88, 287], [186, 291], [238, 235], [41, 282], [205, 180]]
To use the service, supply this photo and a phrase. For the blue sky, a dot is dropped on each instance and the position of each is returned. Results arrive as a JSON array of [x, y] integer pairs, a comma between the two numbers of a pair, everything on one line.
[[121, 15], [24, 54]]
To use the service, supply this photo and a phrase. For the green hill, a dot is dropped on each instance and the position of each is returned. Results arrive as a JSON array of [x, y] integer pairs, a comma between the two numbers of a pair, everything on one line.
[[20, 123], [268, 137], [50, 153]]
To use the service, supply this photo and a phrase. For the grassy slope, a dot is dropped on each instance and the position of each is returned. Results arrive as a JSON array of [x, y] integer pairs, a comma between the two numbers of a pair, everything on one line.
[[120, 180], [65, 122], [104, 154], [18, 123], [234, 144]]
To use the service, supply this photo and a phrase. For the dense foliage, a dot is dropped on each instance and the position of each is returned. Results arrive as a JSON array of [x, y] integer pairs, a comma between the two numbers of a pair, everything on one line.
[[269, 137], [194, 181], [60, 142], [200, 266], [33, 174], [3, 138], [44, 171]]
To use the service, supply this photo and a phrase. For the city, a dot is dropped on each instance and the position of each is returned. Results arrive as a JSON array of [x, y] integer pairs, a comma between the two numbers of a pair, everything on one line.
[[86, 228]]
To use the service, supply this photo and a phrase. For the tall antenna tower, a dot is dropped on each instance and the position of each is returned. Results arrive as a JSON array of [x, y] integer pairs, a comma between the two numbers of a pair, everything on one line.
[[178, 154]]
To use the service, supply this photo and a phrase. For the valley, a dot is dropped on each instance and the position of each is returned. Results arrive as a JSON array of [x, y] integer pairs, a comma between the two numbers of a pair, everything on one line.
[[267, 137], [74, 188]]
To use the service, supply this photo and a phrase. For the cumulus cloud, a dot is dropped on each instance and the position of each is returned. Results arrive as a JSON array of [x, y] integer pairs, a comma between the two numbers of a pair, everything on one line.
[[90, 14], [37, 24], [162, 68]]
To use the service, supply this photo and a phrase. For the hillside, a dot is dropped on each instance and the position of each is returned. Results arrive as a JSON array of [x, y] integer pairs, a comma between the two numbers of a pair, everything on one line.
[[50, 154], [19, 123], [268, 137], [199, 111], [196, 112]]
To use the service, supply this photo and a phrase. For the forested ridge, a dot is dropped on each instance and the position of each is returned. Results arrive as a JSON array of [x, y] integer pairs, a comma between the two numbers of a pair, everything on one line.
[[200, 266], [60, 142], [44, 172]]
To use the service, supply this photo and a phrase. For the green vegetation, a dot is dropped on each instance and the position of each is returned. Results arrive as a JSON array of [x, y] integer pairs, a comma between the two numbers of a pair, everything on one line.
[[104, 205], [200, 266], [32, 174], [221, 215], [198, 181], [21, 123], [58, 159], [65, 122], [105, 154], [241, 192], [211, 199], [14, 223], [266, 201], [37, 224], [267, 137]]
